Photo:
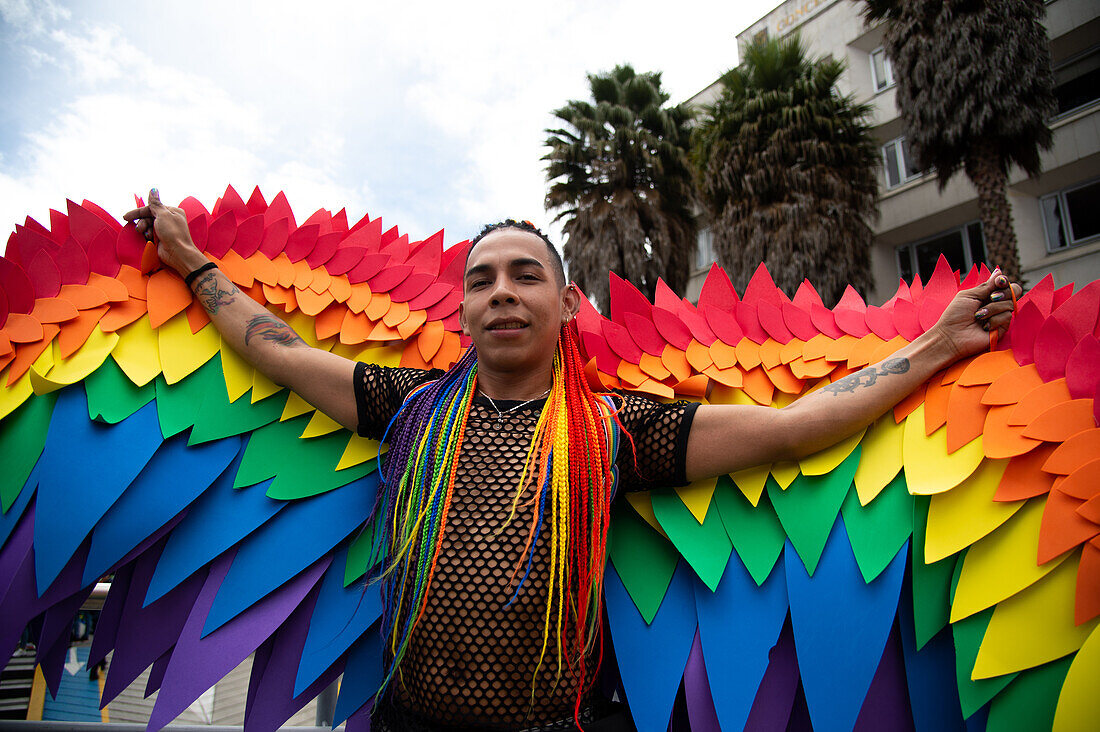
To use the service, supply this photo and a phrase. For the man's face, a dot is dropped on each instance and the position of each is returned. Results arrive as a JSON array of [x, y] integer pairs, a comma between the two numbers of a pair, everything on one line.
[[513, 305]]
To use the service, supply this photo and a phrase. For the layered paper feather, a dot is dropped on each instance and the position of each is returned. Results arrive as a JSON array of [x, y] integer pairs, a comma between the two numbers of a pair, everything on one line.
[[944, 563]]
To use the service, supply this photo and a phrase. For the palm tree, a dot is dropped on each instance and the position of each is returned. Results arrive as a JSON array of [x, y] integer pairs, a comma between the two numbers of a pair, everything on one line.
[[975, 90], [621, 180], [787, 172]]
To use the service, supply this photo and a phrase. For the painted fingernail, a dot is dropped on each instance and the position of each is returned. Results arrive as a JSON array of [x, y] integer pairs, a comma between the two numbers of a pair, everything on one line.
[[154, 192], [985, 326], [1001, 281], [981, 314], [996, 296]]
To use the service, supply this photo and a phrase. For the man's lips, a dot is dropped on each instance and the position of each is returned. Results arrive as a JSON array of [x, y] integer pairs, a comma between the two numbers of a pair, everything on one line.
[[506, 325]]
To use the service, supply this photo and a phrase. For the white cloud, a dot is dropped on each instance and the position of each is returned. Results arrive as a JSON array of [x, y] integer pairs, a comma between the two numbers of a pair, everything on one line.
[[31, 17], [428, 113]]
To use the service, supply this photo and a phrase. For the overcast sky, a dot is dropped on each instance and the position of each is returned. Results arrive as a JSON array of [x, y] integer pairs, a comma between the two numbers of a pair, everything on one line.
[[428, 114]]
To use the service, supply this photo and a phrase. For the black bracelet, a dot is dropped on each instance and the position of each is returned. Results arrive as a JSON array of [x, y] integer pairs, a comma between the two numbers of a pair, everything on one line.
[[194, 275]]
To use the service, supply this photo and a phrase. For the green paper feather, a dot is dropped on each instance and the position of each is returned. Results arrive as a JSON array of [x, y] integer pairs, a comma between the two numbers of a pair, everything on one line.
[[757, 535], [112, 397], [22, 437], [809, 507], [705, 547], [644, 560], [878, 530]]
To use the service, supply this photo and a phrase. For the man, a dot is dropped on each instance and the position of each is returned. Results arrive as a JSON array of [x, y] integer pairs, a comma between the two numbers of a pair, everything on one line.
[[500, 473]]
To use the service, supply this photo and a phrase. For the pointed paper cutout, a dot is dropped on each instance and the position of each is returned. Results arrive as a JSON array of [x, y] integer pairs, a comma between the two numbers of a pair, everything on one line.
[[959, 517], [1033, 627], [738, 626], [79, 453], [1029, 702], [840, 628], [706, 547], [878, 530], [652, 657], [644, 560], [285, 545], [1079, 704], [1001, 564]]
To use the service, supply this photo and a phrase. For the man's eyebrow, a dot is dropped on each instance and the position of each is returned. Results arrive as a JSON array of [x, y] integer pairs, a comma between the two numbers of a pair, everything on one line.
[[519, 262]]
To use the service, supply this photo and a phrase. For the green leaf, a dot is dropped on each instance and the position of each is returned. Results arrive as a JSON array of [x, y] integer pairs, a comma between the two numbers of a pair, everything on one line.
[[878, 530], [706, 547], [809, 507], [112, 397], [757, 535], [22, 437], [643, 558]]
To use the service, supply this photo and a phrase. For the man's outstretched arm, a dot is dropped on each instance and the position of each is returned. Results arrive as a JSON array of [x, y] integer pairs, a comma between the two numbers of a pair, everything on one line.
[[725, 439], [265, 341]]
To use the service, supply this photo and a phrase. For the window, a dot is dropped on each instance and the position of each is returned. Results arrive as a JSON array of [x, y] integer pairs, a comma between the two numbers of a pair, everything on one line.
[[1072, 216], [1077, 80], [963, 247], [882, 72], [704, 249], [898, 164]]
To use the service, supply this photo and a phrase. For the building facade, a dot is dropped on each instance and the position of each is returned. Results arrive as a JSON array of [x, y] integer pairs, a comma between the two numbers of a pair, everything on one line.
[[1056, 215]]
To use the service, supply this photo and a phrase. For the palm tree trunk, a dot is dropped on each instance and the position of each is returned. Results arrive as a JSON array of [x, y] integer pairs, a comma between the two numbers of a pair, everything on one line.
[[987, 175]]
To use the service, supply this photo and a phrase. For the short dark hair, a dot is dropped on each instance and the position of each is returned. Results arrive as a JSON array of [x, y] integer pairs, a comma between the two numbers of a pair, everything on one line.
[[555, 258]]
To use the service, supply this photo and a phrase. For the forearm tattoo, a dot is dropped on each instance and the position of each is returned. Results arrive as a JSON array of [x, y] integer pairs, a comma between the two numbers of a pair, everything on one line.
[[869, 375], [271, 329], [211, 295]]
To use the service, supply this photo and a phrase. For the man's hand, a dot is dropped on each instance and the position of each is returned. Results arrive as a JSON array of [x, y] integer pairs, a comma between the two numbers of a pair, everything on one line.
[[966, 324], [167, 226]]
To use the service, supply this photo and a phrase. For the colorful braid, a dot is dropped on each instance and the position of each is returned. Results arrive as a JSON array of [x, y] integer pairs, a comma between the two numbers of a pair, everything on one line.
[[570, 459]]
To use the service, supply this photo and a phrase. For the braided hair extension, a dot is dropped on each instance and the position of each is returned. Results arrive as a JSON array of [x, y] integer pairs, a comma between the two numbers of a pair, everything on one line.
[[569, 460]]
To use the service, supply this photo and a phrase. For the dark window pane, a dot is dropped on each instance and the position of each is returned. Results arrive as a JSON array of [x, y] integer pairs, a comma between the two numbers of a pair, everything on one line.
[[977, 243], [878, 62], [950, 245], [905, 265], [892, 175], [1052, 222], [1082, 88], [911, 169], [1083, 207]]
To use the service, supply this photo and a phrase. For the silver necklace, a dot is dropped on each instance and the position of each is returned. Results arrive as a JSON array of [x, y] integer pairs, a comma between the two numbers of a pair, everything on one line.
[[501, 413]]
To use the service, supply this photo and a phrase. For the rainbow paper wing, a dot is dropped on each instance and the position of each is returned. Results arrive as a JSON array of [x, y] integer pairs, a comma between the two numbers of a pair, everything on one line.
[[134, 443], [792, 577], [744, 589]]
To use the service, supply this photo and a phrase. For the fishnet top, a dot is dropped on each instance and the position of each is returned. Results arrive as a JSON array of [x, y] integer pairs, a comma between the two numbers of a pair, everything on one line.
[[471, 657]]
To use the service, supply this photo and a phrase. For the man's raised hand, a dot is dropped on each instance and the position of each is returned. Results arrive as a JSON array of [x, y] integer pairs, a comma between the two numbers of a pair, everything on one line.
[[973, 314], [167, 226]]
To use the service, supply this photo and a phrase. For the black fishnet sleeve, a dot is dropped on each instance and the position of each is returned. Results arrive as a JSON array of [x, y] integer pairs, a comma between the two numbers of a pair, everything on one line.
[[379, 393], [659, 434]]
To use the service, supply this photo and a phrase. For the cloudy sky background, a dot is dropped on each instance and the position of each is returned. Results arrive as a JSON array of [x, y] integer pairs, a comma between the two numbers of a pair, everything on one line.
[[429, 114]]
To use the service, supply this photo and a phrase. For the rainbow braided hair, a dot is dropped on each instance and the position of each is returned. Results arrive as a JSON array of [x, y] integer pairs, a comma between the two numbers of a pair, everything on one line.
[[570, 459]]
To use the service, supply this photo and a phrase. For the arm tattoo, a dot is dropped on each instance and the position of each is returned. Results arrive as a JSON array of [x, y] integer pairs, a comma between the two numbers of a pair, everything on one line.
[[272, 329], [869, 375], [212, 297]]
